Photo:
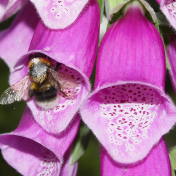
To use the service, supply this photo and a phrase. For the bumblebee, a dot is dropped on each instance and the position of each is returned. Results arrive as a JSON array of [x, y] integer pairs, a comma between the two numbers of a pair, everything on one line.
[[42, 81]]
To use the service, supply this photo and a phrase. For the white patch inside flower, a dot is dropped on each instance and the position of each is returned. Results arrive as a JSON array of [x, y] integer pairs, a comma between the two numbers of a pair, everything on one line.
[[171, 6], [48, 164], [129, 109]]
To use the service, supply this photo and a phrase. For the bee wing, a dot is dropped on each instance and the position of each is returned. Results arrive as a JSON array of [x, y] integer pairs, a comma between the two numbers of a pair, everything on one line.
[[66, 81], [17, 92]]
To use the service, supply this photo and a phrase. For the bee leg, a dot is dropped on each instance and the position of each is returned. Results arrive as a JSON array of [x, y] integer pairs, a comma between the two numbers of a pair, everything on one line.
[[60, 89], [57, 66], [65, 94]]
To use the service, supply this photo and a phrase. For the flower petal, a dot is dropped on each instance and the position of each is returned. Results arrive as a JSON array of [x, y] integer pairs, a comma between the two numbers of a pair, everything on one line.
[[32, 151], [15, 41], [74, 47], [159, 1], [128, 110], [67, 168], [59, 14], [9, 8], [156, 163]]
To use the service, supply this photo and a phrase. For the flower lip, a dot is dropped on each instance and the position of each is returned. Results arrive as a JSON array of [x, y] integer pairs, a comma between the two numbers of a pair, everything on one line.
[[127, 118], [31, 142], [60, 14], [55, 14], [42, 157]]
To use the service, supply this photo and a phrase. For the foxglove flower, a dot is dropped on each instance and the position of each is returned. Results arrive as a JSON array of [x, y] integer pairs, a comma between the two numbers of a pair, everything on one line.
[[54, 14], [32, 151], [156, 163], [75, 48], [168, 7], [171, 54], [128, 110]]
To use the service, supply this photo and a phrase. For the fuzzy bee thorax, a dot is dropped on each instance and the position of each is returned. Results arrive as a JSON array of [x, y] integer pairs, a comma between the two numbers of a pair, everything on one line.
[[38, 69]]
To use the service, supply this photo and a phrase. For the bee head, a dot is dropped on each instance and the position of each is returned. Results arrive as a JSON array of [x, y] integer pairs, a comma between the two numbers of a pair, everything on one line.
[[38, 69]]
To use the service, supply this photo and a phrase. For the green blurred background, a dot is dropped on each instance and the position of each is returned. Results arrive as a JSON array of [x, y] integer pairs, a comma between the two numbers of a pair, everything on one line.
[[89, 163]]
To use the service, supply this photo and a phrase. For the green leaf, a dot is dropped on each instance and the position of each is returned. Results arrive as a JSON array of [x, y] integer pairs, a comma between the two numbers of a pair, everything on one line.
[[157, 25], [172, 155], [173, 173], [165, 46], [167, 64], [81, 142], [101, 4]]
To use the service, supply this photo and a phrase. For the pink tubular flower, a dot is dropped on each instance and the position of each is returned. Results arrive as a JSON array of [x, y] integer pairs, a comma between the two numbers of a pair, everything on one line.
[[156, 163], [75, 48], [54, 14], [168, 7], [32, 151], [129, 110]]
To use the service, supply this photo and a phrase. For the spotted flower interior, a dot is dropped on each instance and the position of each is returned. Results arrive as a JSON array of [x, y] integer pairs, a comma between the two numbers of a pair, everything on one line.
[[128, 119], [129, 110], [57, 119], [39, 160], [48, 163], [73, 93]]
